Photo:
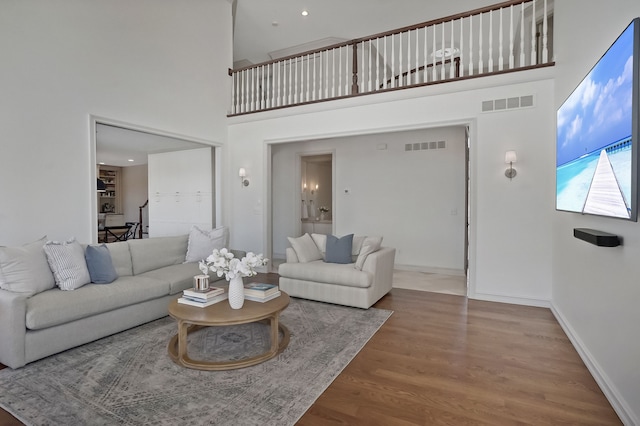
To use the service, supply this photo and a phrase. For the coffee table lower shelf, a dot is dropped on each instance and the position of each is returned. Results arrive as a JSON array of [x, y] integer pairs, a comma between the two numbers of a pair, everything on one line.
[[191, 319], [186, 361]]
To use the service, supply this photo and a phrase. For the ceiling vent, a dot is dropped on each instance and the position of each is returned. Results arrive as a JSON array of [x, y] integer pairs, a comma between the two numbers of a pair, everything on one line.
[[504, 104]]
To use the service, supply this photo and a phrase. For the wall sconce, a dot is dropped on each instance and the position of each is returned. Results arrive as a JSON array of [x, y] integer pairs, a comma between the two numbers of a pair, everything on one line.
[[314, 190], [243, 180], [510, 158]]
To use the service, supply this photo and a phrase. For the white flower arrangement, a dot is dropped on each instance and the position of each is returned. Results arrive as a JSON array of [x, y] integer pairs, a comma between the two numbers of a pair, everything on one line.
[[223, 262]]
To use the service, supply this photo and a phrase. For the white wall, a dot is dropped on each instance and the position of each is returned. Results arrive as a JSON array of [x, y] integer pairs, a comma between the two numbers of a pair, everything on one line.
[[509, 256], [596, 290], [405, 196], [134, 191], [156, 63]]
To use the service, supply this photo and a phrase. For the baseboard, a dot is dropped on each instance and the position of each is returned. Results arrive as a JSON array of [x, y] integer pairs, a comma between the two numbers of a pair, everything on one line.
[[540, 303], [618, 403], [430, 270]]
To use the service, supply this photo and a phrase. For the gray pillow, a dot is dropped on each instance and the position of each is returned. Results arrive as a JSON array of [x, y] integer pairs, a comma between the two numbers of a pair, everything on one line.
[[100, 265], [338, 250]]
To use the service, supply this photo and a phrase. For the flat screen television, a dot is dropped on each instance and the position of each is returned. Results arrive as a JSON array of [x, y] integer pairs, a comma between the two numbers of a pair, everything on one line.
[[598, 131]]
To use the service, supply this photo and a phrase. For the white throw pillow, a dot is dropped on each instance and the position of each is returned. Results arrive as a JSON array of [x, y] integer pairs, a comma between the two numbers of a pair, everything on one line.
[[25, 269], [67, 264], [370, 245], [321, 242], [305, 248], [202, 243]]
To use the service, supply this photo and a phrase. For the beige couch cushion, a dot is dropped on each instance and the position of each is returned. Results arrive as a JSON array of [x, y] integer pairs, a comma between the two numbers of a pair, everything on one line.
[[56, 307], [153, 253], [331, 273], [305, 248]]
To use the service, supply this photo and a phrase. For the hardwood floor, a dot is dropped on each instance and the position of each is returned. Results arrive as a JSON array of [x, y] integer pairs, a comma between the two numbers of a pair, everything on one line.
[[445, 360]]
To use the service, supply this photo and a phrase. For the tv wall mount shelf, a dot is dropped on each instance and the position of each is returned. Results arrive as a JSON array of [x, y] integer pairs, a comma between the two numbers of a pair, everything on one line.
[[598, 238]]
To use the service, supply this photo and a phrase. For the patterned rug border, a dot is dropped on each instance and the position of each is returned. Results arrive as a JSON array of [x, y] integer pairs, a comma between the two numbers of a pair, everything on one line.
[[300, 403]]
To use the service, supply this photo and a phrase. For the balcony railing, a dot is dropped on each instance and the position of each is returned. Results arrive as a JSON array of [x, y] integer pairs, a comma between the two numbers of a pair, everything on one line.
[[506, 37]]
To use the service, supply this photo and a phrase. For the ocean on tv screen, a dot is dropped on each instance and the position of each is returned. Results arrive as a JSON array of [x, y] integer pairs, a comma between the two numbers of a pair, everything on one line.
[[574, 179]]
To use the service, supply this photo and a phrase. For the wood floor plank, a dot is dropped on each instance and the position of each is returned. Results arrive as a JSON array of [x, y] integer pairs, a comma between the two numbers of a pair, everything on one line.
[[446, 360]]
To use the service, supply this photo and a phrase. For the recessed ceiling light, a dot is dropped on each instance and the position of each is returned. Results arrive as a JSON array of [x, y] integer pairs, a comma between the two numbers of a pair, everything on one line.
[[305, 12], [101, 163], [274, 24], [130, 160]]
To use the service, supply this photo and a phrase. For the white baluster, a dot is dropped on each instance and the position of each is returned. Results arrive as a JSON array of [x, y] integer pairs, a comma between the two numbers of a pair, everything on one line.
[[522, 64], [490, 62], [452, 64], [370, 77], [461, 61], [313, 93], [500, 58], [480, 59], [511, 37], [269, 85], [262, 87], [326, 74], [253, 90], [470, 45], [393, 61], [296, 90], [245, 90], [408, 81], [320, 74], [400, 61], [425, 74], [386, 61], [442, 66], [417, 75], [534, 58], [434, 75], [233, 93], [378, 63], [545, 51], [340, 71]]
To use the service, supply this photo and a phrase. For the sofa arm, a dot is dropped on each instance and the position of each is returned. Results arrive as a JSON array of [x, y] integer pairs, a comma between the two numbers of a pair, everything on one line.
[[292, 257], [380, 265], [13, 314]]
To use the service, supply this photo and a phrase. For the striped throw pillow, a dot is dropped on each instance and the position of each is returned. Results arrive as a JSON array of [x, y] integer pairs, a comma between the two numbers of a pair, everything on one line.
[[67, 263]]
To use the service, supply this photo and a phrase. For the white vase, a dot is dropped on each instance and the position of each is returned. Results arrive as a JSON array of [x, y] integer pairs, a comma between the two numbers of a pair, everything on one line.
[[236, 293]]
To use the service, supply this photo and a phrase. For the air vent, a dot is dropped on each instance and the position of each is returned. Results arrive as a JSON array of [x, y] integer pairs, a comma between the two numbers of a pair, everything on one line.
[[507, 103], [424, 146]]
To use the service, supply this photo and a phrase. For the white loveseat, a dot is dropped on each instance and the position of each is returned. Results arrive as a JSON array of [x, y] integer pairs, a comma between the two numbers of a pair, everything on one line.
[[360, 283]]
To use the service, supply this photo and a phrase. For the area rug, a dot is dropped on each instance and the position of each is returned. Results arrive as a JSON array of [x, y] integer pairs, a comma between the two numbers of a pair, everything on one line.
[[129, 379]]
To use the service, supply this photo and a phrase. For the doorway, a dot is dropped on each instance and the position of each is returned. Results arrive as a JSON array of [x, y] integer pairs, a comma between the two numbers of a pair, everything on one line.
[[120, 152]]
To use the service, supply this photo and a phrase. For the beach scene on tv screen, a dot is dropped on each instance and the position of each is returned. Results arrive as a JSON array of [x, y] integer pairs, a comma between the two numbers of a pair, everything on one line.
[[593, 158]]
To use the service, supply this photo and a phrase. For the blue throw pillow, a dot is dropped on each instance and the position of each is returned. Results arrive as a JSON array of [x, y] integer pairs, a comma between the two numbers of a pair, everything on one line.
[[338, 250], [100, 266]]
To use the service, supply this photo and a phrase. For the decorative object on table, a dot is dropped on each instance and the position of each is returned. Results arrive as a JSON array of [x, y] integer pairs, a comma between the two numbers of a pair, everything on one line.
[[223, 262], [202, 298], [323, 211], [261, 292]]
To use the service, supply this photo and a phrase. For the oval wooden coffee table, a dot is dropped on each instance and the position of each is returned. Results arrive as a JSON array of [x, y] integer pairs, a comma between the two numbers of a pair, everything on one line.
[[191, 318]]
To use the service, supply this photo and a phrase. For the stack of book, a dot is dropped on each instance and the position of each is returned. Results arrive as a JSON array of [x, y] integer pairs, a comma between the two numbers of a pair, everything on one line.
[[203, 298], [261, 292]]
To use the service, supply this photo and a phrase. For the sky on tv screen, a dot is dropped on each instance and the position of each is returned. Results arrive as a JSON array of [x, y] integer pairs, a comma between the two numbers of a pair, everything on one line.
[[598, 112]]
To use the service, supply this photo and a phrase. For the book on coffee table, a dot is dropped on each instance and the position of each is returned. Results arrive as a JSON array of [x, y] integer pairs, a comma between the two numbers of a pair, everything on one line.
[[185, 300], [203, 294], [260, 289], [263, 299]]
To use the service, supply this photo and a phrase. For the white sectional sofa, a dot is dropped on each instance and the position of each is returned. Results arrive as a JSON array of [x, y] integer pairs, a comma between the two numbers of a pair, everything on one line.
[[151, 273], [360, 283]]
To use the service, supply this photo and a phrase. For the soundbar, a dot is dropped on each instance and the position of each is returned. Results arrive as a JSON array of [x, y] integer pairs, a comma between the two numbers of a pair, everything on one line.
[[598, 238]]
